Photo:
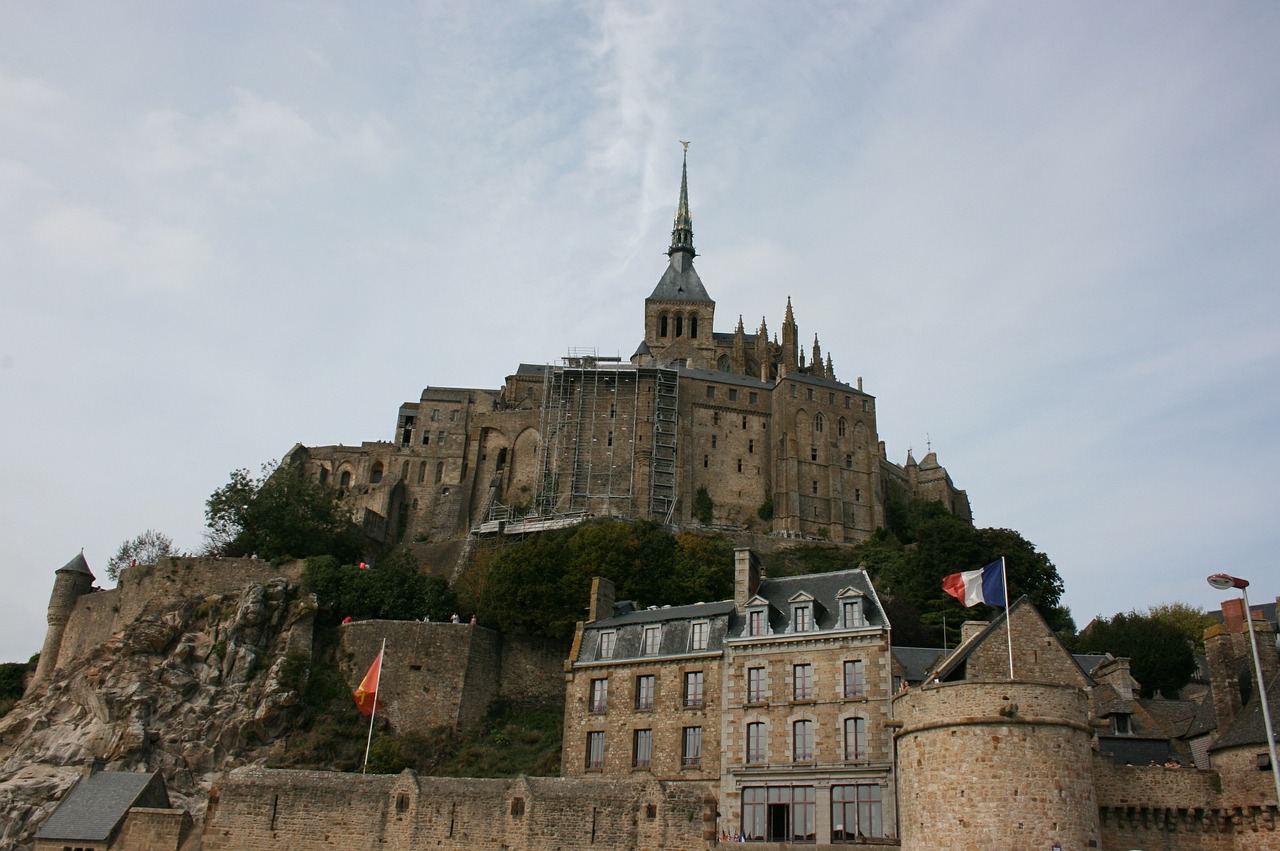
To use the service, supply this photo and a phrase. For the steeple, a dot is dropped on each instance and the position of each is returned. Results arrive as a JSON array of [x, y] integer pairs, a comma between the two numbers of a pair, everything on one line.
[[682, 230]]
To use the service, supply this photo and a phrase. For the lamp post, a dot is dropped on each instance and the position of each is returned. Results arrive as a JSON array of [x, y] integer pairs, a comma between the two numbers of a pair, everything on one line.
[[1222, 582]]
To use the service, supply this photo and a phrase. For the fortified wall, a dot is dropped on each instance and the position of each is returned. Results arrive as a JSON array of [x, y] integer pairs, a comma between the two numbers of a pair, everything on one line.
[[256, 809], [93, 617], [447, 674]]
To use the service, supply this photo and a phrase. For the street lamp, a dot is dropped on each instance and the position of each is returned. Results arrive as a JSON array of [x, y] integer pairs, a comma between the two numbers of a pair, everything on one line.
[[1222, 582]]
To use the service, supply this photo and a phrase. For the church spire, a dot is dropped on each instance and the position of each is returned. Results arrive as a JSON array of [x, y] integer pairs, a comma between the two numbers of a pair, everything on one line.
[[682, 230]]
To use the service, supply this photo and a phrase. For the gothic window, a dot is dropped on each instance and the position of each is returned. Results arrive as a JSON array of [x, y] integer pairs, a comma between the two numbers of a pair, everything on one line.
[[324, 475], [817, 422], [375, 475], [724, 364], [344, 479], [841, 426]]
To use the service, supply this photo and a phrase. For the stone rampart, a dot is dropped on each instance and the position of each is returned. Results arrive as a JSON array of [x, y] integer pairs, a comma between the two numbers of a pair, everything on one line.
[[255, 809], [157, 588], [991, 764], [447, 674]]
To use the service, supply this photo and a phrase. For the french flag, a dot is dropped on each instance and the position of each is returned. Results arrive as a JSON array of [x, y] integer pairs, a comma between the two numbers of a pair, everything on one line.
[[978, 586]]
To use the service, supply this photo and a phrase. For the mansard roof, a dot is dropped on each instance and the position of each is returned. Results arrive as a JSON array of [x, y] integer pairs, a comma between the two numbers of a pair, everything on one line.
[[825, 589], [96, 805], [658, 614]]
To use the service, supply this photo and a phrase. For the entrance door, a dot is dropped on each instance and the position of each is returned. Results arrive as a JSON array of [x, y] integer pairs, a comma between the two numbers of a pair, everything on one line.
[[779, 822]]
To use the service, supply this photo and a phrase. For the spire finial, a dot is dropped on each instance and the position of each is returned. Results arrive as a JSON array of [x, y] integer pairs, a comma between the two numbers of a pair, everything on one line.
[[682, 231]]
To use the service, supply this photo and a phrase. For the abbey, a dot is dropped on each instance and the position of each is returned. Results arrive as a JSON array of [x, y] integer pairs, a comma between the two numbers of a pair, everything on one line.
[[739, 426]]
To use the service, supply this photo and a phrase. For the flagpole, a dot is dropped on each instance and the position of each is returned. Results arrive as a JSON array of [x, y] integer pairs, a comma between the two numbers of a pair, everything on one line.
[[1008, 617], [382, 658]]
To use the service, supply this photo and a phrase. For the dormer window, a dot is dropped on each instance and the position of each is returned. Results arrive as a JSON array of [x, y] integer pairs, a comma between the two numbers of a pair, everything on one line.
[[652, 640], [757, 623], [608, 640], [1120, 725], [802, 618], [698, 635], [852, 612]]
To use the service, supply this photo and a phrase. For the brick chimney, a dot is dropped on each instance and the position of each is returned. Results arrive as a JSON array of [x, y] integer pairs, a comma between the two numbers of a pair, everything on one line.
[[971, 628], [746, 576], [1115, 673]]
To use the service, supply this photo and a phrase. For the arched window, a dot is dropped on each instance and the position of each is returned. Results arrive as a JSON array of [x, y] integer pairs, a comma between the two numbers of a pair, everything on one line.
[[679, 324], [439, 471], [324, 475], [375, 475], [344, 481], [693, 326], [817, 422], [841, 426], [662, 325]]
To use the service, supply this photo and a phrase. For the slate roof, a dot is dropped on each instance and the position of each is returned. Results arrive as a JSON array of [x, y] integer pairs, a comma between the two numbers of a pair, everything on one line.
[[916, 661], [1247, 727], [97, 804], [665, 613], [725, 378], [76, 565], [824, 588], [680, 282], [954, 665]]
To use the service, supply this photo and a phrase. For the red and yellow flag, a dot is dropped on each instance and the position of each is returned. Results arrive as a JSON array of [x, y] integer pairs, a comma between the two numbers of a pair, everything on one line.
[[367, 692]]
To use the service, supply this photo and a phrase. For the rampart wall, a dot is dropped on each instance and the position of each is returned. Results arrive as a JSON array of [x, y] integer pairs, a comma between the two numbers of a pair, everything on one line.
[[255, 809], [447, 674], [160, 587]]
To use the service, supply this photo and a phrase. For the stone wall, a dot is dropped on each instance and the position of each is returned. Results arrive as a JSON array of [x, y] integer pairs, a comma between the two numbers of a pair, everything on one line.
[[160, 587], [995, 765], [255, 809], [447, 674], [154, 829]]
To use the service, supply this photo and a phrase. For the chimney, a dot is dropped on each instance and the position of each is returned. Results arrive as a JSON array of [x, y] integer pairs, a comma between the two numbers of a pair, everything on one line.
[[1225, 651], [92, 766], [602, 592], [971, 628], [1115, 673], [746, 576]]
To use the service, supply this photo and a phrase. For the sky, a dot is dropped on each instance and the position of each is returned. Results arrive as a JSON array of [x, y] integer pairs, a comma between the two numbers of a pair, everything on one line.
[[1046, 236]]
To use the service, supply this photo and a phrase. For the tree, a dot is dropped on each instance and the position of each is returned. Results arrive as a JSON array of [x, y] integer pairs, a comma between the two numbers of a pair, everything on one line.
[[282, 513], [1191, 620], [703, 506], [1160, 655], [144, 549], [393, 588]]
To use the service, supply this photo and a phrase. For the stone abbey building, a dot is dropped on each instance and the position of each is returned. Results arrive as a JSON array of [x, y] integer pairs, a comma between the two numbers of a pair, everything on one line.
[[777, 441]]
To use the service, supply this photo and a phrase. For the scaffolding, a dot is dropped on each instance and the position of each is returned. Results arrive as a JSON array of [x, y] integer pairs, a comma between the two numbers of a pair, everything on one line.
[[662, 479]]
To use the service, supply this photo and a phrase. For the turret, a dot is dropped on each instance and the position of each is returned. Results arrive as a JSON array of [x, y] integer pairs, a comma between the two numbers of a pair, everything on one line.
[[71, 581], [790, 348]]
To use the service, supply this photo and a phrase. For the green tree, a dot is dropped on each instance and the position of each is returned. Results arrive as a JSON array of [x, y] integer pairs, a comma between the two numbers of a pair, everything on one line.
[[703, 507], [393, 588], [143, 549], [703, 569], [1191, 620], [1160, 654], [281, 513]]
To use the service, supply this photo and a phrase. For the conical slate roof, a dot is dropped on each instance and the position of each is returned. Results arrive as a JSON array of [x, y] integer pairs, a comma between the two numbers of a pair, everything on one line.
[[681, 282], [76, 565]]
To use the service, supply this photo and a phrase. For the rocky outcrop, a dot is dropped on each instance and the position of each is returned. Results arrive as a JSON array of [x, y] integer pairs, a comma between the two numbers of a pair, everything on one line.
[[205, 685]]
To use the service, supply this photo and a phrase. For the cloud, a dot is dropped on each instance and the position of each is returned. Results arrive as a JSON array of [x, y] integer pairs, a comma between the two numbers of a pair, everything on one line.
[[30, 106], [149, 255]]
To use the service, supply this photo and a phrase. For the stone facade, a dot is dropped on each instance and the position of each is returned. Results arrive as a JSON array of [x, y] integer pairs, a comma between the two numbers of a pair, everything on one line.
[[779, 697], [743, 416]]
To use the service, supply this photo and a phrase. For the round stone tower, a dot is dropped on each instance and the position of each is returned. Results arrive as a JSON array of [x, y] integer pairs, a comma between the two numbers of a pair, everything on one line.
[[988, 765], [70, 582]]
